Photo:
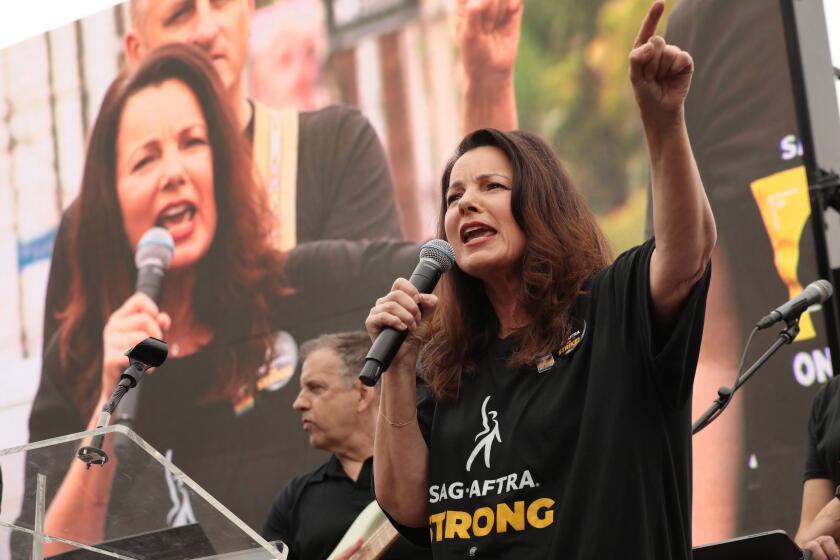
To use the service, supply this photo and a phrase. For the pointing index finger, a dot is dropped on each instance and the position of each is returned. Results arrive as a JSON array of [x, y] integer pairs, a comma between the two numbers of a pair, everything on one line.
[[650, 22]]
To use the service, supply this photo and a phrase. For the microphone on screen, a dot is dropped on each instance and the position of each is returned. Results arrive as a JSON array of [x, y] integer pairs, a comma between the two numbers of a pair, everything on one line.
[[152, 257]]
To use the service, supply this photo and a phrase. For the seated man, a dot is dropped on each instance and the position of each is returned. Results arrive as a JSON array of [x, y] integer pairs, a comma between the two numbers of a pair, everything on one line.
[[316, 509]]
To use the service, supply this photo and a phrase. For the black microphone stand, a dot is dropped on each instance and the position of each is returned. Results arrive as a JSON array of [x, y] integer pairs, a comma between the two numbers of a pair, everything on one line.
[[725, 394], [149, 353], [94, 454]]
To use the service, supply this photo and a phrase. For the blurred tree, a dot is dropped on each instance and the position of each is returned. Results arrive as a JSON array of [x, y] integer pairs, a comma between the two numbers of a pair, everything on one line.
[[573, 89]]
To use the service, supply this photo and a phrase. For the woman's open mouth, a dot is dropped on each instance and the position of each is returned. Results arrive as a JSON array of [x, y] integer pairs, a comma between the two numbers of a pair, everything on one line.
[[476, 235], [178, 219]]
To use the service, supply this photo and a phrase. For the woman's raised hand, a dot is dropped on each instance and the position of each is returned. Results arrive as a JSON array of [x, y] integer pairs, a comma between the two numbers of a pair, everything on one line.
[[660, 73], [404, 308], [487, 32], [137, 319]]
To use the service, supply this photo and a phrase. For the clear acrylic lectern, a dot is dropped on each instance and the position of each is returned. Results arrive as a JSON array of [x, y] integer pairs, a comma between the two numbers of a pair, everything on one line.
[[132, 530]]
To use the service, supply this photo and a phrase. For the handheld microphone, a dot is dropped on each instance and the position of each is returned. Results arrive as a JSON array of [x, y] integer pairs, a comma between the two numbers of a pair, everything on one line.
[[436, 257], [152, 257], [816, 292]]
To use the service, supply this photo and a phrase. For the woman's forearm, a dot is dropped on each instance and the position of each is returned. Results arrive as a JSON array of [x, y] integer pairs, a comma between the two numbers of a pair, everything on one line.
[[492, 105], [80, 506], [400, 453], [682, 219]]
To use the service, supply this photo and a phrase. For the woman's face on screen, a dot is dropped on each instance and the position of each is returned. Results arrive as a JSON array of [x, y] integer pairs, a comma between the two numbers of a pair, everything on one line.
[[165, 170]]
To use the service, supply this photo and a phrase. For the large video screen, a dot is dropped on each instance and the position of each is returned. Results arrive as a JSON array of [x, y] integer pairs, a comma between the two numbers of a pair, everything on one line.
[[348, 114]]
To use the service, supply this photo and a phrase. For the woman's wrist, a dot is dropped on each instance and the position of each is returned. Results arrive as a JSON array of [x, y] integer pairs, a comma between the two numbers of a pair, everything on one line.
[[402, 423], [490, 105], [399, 390], [662, 125], [406, 359]]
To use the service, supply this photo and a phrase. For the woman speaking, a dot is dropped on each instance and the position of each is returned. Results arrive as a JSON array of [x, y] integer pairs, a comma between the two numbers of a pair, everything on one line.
[[165, 151], [557, 418]]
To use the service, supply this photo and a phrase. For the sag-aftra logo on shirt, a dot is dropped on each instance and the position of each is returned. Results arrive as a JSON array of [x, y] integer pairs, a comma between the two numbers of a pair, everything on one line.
[[508, 514], [487, 436]]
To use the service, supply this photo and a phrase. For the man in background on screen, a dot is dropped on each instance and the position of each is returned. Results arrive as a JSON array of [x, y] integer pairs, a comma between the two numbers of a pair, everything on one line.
[[315, 510]]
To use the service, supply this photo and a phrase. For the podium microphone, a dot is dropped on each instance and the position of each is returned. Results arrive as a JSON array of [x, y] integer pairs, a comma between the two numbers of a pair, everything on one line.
[[149, 353], [152, 257], [816, 292], [436, 257]]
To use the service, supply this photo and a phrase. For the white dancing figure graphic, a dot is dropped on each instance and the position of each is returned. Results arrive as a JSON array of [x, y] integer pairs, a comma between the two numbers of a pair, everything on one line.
[[181, 512], [486, 436]]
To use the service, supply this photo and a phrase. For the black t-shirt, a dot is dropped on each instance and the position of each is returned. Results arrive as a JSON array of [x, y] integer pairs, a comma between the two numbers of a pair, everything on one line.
[[589, 459], [823, 459], [315, 510]]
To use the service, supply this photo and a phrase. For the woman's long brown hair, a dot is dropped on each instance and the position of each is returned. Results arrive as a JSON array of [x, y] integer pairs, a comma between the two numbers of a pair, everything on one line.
[[563, 248], [235, 280]]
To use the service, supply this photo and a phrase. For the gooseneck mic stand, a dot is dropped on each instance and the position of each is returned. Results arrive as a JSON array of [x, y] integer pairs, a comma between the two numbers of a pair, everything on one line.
[[149, 353], [725, 394], [93, 454]]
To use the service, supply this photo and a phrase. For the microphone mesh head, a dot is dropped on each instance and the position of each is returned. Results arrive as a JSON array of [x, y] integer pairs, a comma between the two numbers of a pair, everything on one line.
[[154, 248], [825, 288], [440, 252]]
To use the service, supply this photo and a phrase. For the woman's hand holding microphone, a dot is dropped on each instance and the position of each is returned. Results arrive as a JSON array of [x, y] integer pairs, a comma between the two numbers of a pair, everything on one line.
[[404, 308], [134, 321]]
